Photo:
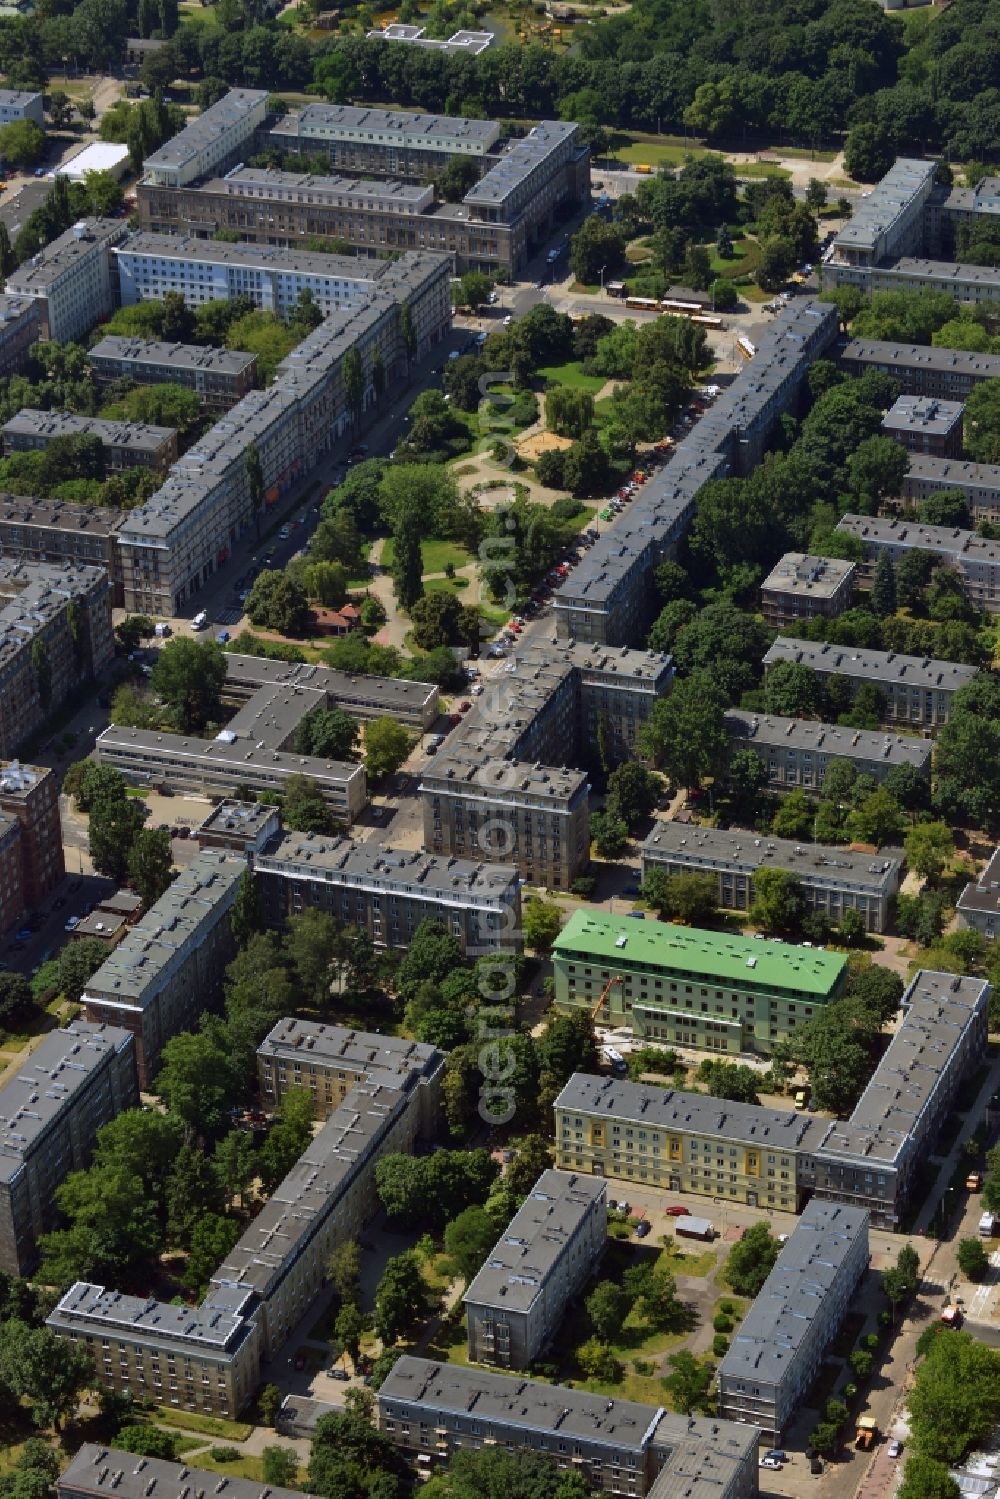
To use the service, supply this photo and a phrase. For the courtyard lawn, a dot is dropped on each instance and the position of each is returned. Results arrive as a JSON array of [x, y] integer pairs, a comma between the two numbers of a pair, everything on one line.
[[742, 262], [435, 554], [571, 374], [239, 1467], [754, 169], [654, 151], [209, 1426]]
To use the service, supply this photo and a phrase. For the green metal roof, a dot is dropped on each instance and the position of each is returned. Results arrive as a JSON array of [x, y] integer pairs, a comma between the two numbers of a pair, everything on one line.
[[739, 960]]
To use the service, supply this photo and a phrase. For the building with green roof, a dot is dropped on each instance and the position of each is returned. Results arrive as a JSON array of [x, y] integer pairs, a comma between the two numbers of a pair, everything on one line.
[[684, 987]]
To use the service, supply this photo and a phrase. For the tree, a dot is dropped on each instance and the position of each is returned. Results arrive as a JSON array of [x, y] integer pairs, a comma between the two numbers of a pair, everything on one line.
[[280, 1465], [586, 468], [303, 808], [468, 1239], [407, 564], [212, 1237], [245, 914], [692, 898], [778, 901], [432, 1190], [929, 848], [816, 193], [659, 1300], [277, 602], [877, 820], [195, 1082], [598, 1361], [15, 993], [329, 733], [150, 864], [344, 1270], [269, 1400], [688, 1382], [234, 1164], [189, 676], [883, 595], [731, 1080], [926, 1478], [49, 1373], [22, 142], [402, 1297], [868, 153], [609, 834], [191, 1191], [685, 733], [568, 411], [253, 474], [387, 745], [793, 690], [595, 248], [751, 1261], [112, 1227], [148, 1441], [775, 262], [956, 1397], [973, 1261], [115, 824], [351, 1459], [632, 793], [878, 989], [607, 1307], [287, 1139], [532, 1156], [540, 924]]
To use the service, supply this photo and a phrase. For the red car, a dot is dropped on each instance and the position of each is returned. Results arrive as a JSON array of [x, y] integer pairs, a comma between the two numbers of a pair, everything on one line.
[[678, 1212], [464, 706]]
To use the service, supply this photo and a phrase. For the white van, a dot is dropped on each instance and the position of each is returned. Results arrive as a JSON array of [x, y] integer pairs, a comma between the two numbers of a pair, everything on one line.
[[161, 631], [200, 620]]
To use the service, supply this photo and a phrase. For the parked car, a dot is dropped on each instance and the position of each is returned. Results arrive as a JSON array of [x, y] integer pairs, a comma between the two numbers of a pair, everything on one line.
[[974, 1181], [777, 1452], [895, 1447], [340, 1374], [769, 1462], [223, 637], [678, 1212], [642, 1229], [72, 923]]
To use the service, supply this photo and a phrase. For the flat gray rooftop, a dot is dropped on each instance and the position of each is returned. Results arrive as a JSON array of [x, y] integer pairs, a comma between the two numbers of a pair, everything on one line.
[[63, 254], [938, 1010], [771, 1334], [928, 415], [961, 472], [47, 1084], [136, 437], [34, 593], [982, 895], [896, 531], [121, 1475], [772, 731], [692, 1113], [93, 1308], [196, 900], [742, 852], [388, 1061], [886, 203], [888, 667], [945, 272], [350, 122], [535, 1240], [205, 129], [307, 187], [331, 860], [286, 259], [232, 816], [159, 752], [155, 352], [386, 694], [922, 357], [521, 158], [59, 515], [805, 576]]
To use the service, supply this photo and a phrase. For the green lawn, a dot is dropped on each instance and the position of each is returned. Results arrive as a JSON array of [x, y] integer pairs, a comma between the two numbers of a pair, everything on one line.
[[209, 1426], [651, 151], [571, 374], [240, 1467], [435, 554], [802, 153], [743, 259], [761, 169]]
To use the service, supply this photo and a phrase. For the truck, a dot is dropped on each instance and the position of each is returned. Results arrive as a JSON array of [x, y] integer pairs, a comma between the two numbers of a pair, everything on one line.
[[690, 1227], [866, 1433], [987, 1226]]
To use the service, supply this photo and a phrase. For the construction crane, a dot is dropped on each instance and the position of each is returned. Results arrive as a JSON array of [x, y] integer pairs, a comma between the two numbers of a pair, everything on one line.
[[616, 979]]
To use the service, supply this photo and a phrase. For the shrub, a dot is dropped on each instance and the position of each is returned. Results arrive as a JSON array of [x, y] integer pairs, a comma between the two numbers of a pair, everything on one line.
[[224, 1454], [728, 1308], [871, 1341], [722, 1323], [584, 885], [643, 1366], [719, 1344]]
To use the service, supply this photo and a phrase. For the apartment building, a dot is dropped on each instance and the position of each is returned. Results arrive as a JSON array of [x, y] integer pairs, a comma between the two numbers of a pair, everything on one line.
[[951, 207], [778, 1349], [978, 905], [873, 1159], [977, 285], [549, 1251], [833, 880], [387, 892], [917, 689], [432, 1410], [96, 1472], [979, 483], [609, 597], [886, 225], [804, 587], [125, 444], [218, 377], [503, 791], [20, 328], [681, 986], [922, 424], [242, 827], [204, 1359], [21, 104], [385, 142], [29, 797], [797, 751], [211, 141], [686, 1142], [60, 531], [12, 904], [175, 542], [415, 704], [327, 1198], [51, 1108], [169, 967], [273, 207], [55, 634], [330, 1060], [73, 280], [945, 374], [973, 557]]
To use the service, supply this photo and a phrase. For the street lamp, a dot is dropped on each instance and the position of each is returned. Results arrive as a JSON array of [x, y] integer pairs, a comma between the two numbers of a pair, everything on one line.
[[602, 270]]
